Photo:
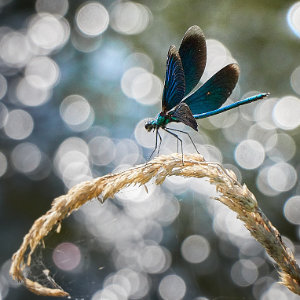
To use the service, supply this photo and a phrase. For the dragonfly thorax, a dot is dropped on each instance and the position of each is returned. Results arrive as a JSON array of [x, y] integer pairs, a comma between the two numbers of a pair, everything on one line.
[[161, 121]]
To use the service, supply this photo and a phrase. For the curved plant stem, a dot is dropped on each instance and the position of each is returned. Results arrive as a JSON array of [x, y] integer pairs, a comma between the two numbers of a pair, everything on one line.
[[231, 193]]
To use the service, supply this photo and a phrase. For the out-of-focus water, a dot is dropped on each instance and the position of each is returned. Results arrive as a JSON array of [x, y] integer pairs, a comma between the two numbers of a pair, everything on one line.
[[78, 81]]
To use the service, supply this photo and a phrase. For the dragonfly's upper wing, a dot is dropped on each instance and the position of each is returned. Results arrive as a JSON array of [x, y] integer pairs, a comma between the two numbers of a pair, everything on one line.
[[182, 113], [215, 91], [174, 83], [192, 52]]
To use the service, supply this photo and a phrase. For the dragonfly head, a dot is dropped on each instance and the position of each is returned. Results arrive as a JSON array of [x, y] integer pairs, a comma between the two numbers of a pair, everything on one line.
[[150, 125]]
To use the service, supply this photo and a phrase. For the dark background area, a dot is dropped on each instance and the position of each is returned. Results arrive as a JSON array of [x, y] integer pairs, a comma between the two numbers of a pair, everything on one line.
[[77, 83]]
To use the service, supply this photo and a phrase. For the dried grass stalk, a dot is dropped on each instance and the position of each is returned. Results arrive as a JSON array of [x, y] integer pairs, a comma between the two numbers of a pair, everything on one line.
[[236, 196]]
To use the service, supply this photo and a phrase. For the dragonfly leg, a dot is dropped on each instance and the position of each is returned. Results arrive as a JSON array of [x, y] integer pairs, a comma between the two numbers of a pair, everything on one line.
[[187, 135], [178, 139], [156, 134], [160, 140]]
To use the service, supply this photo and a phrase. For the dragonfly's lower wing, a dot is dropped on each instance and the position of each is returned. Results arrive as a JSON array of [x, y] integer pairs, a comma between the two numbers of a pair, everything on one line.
[[182, 113], [215, 91]]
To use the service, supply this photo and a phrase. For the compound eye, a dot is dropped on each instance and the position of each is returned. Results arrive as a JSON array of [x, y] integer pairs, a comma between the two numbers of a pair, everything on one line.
[[149, 126]]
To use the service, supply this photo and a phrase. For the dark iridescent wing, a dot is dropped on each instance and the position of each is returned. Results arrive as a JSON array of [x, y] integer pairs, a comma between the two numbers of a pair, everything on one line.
[[174, 83], [215, 91], [192, 52], [182, 113]]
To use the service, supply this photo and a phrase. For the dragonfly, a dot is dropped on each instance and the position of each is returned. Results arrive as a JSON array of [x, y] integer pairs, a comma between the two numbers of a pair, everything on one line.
[[184, 70]]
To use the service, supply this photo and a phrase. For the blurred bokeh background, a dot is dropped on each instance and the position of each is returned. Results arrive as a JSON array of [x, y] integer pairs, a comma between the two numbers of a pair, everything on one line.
[[78, 79]]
